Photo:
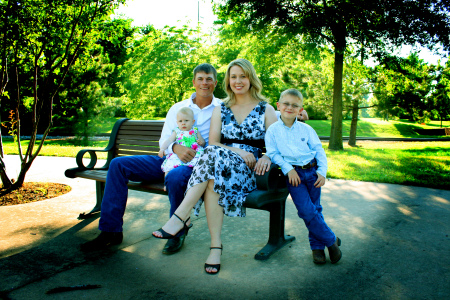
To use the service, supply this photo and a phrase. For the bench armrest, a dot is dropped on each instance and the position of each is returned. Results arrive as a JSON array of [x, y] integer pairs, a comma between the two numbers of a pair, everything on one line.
[[70, 173], [93, 158], [272, 180], [92, 153]]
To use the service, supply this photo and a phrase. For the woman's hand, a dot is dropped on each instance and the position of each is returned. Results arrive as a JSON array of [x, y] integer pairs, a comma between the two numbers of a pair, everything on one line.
[[263, 165], [248, 157]]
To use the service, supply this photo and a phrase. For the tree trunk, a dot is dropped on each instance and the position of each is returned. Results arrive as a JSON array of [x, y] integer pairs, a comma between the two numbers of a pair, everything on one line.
[[4, 177], [336, 121], [354, 125], [24, 167]]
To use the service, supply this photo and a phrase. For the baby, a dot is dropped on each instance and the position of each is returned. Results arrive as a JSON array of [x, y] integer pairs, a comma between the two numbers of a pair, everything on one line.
[[186, 135]]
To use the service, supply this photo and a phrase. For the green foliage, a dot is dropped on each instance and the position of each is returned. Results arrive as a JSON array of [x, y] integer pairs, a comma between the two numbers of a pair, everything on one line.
[[158, 72], [402, 87], [366, 24], [90, 91], [314, 78], [41, 41], [440, 101]]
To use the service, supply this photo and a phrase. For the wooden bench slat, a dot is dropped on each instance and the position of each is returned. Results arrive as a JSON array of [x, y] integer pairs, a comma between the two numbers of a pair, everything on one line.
[[124, 152], [139, 137], [144, 142], [132, 133], [141, 128], [137, 148], [155, 123]]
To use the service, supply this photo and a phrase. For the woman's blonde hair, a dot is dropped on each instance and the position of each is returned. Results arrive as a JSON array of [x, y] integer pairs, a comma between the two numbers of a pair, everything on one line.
[[249, 71]]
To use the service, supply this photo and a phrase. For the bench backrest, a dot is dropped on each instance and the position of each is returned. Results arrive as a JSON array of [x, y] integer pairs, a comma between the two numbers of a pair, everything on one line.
[[137, 137], [134, 137]]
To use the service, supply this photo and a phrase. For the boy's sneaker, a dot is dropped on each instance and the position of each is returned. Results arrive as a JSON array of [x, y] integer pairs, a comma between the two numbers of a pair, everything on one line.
[[319, 257], [103, 241], [334, 251]]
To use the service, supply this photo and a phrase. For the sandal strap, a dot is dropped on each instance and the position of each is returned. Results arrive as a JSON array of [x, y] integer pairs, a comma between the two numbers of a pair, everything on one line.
[[178, 217], [184, 222], [210, 248]]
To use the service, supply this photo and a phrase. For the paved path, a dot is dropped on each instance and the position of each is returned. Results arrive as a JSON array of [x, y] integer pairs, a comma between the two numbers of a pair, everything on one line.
[[395, 244]]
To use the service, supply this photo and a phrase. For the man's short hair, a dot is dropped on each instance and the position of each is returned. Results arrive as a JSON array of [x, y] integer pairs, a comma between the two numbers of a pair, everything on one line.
[[207, 68]]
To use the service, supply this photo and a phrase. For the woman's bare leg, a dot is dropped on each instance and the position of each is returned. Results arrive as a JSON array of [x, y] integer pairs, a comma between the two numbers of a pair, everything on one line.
[[184, 210], [214, 216]]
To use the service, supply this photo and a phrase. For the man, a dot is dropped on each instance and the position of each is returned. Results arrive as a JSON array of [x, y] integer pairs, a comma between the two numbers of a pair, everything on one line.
[[148, 167]]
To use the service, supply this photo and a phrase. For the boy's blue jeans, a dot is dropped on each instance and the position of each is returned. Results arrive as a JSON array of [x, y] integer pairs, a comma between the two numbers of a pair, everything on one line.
[[306, 198], [137, 168]]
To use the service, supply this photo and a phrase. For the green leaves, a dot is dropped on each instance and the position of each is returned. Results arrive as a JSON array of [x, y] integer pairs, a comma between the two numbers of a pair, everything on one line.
[[402, 86], [158, 72]]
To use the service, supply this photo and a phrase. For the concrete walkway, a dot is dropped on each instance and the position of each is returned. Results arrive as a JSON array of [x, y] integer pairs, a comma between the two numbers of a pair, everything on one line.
[[395, 244]]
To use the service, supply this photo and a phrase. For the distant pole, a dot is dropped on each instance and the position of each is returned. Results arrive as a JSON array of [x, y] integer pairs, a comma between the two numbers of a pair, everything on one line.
[[198, 13]]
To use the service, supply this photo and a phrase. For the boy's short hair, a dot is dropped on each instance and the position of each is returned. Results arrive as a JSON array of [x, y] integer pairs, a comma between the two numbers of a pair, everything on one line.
[[207, 68], [292, 92], [187, 111]]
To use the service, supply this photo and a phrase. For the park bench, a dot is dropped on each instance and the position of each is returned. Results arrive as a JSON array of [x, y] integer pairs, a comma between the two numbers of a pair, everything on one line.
[[133, 137]]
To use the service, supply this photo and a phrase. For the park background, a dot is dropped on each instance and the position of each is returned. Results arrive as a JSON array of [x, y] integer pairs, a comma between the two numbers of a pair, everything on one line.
[[139, 68]]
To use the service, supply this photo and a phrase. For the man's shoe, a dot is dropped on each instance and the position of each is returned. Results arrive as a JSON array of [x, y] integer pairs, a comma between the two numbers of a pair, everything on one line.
[[103, 241], [319, 257], [174, 245], [334, 251]]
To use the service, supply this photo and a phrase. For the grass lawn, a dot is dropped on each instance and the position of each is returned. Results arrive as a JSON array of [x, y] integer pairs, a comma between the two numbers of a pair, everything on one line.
[[411, 163], [371, 127], [424, 164]]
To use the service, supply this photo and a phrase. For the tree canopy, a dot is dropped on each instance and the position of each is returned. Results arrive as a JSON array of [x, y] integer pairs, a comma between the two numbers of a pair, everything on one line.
[[40, 42], [370, 24]]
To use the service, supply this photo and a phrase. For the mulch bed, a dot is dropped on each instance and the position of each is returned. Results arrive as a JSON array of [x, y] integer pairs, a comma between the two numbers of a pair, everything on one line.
[[34, 191]]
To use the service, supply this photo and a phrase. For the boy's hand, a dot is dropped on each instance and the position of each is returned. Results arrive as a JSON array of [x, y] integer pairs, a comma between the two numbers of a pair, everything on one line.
[[294, 180], [320, 181], [161, 153]]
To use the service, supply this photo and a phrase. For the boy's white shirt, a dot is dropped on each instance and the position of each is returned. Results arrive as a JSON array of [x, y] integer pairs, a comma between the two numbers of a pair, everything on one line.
[[295, 145], [202, 119]]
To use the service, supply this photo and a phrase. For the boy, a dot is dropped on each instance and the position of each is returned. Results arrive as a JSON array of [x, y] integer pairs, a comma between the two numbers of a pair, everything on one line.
[[296, 148]]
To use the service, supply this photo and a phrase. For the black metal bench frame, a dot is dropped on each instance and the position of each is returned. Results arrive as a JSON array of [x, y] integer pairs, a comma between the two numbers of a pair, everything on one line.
[[133, 137]]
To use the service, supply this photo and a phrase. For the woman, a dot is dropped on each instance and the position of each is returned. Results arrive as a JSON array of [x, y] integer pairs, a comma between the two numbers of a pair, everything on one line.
[[226, 171]]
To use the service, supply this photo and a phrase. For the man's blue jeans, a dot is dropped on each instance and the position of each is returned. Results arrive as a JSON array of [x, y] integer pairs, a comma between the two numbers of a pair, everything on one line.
[[306, 198], [137, 168]]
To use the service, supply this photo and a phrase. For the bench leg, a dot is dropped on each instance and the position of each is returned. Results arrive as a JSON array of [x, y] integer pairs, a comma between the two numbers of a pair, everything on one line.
[[277, 237], [99, 190]]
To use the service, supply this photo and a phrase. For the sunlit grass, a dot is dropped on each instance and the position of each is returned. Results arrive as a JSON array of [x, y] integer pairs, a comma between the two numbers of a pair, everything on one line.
[[58, 148], [410, 163], [373, 127]]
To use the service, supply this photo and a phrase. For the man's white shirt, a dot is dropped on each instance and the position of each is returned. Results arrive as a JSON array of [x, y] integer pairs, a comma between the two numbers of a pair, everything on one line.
[[202, 119]]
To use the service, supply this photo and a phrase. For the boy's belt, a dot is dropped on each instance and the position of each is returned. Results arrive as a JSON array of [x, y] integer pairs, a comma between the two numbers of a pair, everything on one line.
[[307, 166]]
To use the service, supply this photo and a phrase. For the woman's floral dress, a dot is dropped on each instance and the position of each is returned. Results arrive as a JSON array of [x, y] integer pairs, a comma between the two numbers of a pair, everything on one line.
[[233, 179], [184, 138]]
